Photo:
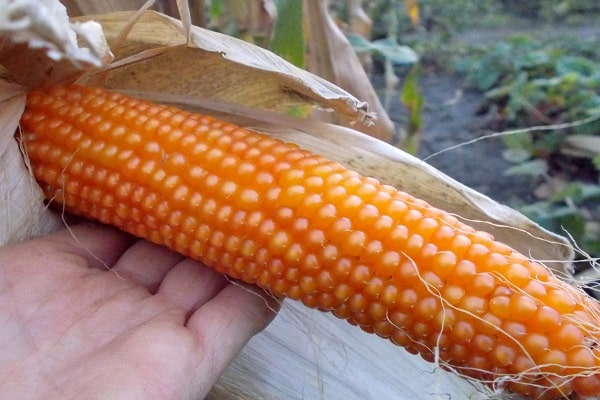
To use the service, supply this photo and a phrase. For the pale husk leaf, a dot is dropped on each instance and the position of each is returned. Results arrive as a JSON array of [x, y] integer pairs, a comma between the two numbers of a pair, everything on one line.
[[307, 354], [327, 45], [23, 213], [38, 45], [78, 7], [213, 65]]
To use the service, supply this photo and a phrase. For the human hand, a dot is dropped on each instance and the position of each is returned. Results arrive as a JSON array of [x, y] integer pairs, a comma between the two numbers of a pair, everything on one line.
[[96, 314]]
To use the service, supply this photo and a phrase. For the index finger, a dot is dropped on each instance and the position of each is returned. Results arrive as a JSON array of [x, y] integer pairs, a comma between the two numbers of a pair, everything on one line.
[[100, 246], [227, 322]]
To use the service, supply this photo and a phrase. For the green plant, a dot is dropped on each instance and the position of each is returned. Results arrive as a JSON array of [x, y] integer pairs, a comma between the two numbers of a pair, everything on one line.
[[527, 82], [550, 10], [411, 97], [532, 81], [570, 211], [554, 85]]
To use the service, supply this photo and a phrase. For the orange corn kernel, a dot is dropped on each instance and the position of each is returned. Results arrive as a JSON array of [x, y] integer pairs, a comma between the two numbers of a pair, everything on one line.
[[302, 226]]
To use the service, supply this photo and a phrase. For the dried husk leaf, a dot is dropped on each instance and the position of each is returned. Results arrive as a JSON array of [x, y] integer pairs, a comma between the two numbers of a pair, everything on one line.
[[327, 45], [215, 66], [77, 7], [39, 46], [23, 213], [306, 354], [360, 22], [412, 10]]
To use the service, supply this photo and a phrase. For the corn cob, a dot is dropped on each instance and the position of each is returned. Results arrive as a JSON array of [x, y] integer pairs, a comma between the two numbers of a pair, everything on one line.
[[304, 227]]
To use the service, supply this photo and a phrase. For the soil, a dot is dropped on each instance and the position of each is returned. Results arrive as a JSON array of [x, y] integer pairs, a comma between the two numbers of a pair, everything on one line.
[[453, 138], [454, 141], [454, 134]]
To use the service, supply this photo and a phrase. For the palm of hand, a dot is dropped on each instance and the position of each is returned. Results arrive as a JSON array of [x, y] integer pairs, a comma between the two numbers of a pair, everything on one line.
[[155, 325]]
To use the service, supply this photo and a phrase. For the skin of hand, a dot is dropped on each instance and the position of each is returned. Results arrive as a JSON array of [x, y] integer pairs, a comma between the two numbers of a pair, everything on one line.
[[92, 313]]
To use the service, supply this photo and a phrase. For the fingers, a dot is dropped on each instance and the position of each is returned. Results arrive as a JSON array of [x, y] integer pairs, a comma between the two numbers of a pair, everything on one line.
[[103, 247], [107, 248], [98, 245], [226, 323], [190, 284], [186, 283], [147, 264]]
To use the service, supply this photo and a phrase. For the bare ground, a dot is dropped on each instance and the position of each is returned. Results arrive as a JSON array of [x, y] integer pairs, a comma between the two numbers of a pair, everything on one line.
[[450, 122]]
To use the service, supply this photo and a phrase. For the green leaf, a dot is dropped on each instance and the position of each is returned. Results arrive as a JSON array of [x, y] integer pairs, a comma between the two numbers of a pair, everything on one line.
[[521, 141], [596, 161], [533, 59], [538, 211], [486, 80], [570, 220], [394, 52], [412, 98], [590, 192], [535, 167], [288, 38], [496, 93], [359, 43], [388, 48], [592, 246], [573, 64], [576, 191], [516, 155], [572, 190], [216, 9]]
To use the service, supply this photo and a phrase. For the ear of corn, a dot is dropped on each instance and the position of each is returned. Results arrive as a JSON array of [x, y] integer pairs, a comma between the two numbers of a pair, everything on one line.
[[304, 227]]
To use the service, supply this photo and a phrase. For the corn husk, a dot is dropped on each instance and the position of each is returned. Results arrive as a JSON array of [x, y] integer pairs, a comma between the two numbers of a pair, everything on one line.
[[38, 46], [303, 354], [327, 45], [212, 65]]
